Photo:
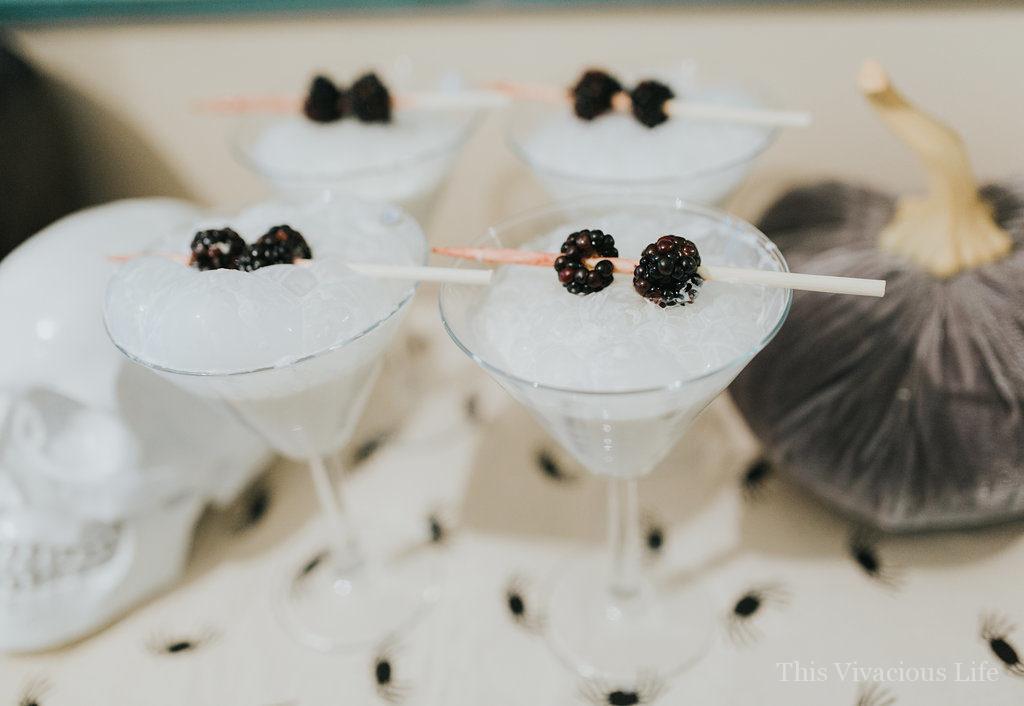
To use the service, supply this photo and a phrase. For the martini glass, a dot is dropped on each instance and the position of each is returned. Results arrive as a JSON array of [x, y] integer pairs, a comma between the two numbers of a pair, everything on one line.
[[605, 616], [407, 163], [306, 409]]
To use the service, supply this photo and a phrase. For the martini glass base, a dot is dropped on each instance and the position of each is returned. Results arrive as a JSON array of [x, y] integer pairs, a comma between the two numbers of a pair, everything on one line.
[[328, 608], [653, 634]]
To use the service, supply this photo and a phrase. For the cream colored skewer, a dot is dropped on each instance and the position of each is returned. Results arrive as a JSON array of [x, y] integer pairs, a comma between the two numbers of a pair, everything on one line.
[[734, 275], [676, 107], [420, 100], [455, 275], [794, 280], [679, 108], [741, 116]]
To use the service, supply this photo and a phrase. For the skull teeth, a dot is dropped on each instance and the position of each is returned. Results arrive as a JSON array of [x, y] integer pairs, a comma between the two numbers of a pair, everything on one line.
[[26, 566]]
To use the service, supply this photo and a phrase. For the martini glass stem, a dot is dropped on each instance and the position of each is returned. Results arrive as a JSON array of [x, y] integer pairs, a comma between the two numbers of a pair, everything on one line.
[[624, 539], [340, 530]]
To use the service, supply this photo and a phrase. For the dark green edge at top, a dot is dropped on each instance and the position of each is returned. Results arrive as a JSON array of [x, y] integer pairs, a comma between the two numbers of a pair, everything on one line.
[[43, 11]]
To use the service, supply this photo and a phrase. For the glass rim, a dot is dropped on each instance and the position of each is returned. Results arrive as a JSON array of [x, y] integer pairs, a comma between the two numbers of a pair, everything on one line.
[[242, 153], [401, 304], [516, 147], [678, 205]]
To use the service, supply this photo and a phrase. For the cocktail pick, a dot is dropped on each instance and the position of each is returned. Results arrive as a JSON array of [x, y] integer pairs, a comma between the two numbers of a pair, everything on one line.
[[418, 273], [417, 100], [675, 107], [455, 275], [734, 275]]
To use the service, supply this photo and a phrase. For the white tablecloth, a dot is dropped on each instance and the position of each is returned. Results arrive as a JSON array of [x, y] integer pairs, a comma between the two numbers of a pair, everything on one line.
[[915, 627]]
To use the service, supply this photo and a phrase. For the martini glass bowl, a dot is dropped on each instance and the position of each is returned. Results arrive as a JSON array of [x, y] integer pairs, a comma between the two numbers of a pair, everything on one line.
[[306, 409], [411, 180], [604, 616], [567, 170]]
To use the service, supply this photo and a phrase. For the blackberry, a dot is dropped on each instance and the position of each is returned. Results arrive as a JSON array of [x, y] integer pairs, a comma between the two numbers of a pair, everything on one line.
[[649, 98], [579, 246], [592, 95], [281, 245], [324, 101], [667, 272], [216, 249], [370, 100]]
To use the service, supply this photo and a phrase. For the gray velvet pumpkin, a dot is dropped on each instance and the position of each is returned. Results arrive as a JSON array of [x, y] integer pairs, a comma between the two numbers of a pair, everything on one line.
[[906, 412]]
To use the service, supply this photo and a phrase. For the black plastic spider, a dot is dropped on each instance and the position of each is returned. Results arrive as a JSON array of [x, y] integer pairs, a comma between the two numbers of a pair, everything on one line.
[[755, 477], [994, 631], [33, 692], [253, 506], [440, 526], [654, 534], [438, 530], [551, 468], [311, 565], [384, 681], [178, 644], [863, 549], [365, 449], [748, 606], [472, 408], [517, 605], [647, 688], [873, 694]]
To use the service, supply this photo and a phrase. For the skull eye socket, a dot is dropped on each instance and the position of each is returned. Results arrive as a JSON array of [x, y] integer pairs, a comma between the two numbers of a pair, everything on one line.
[[61, 436]]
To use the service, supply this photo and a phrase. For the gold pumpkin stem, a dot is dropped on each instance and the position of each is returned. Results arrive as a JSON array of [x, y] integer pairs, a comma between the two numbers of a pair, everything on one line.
[[951, 228]]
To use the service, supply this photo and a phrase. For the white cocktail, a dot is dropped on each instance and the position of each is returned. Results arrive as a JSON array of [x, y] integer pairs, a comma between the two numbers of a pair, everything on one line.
[[294, 350], [404, 161], [699, 160], [616, 379]]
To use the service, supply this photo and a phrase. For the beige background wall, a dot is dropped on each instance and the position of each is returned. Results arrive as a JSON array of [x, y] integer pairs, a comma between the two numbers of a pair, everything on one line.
[[132, 84]]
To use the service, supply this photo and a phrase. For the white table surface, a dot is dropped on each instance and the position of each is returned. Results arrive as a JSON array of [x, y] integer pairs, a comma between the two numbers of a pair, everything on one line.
[[506, 518]]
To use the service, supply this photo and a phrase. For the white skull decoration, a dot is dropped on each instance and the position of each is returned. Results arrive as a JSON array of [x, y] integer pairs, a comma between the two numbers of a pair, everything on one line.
[[104, 466]]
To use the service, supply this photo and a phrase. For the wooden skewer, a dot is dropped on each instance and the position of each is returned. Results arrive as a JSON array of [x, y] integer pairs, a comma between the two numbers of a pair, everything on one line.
[[421, 100], [233, 105], [734, 275], [455, 275], [676, 107]]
